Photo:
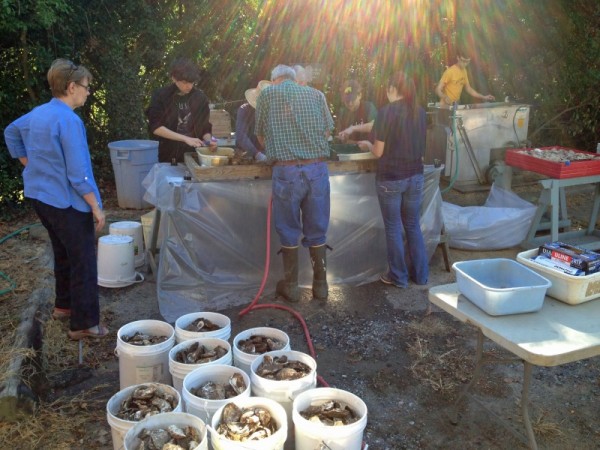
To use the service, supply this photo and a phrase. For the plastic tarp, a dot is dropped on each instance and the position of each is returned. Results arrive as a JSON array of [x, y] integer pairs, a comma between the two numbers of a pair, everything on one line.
[[502, 222], [216, 237]]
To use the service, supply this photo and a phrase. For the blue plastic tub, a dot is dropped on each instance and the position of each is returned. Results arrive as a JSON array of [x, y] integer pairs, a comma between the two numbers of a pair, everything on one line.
[[501, 286]]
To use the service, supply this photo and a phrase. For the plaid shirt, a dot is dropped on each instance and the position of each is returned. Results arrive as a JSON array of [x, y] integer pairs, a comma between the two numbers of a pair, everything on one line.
[[294, 120]]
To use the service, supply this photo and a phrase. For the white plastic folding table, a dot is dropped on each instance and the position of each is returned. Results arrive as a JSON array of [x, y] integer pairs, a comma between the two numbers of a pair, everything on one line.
[[557, 334]]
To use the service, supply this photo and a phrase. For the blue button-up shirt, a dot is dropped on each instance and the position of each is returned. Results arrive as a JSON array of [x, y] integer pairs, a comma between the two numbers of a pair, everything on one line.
[[59, 168], [294, 120]]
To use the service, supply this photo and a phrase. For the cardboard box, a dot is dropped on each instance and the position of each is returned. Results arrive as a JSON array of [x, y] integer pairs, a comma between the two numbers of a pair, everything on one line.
[[577, 257]]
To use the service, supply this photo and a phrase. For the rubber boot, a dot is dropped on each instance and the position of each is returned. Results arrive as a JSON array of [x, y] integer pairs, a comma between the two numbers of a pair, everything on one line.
[[318, 259], [288, 287]]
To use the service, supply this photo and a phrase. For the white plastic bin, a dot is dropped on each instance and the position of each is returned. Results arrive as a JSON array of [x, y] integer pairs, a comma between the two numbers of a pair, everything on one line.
[[131, 162]]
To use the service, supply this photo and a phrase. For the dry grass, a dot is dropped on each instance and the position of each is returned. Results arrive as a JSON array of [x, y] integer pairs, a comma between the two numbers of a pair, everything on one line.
[[545, 428]]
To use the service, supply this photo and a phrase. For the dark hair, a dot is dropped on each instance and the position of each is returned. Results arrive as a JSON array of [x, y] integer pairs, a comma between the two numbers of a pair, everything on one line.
[[62, 72], [461, 53], [182, 69], [405, 86], [350, 90]]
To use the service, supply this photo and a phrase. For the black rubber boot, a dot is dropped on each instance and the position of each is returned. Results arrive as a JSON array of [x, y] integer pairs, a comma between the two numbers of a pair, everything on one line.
[[288, 287], [318, 259]]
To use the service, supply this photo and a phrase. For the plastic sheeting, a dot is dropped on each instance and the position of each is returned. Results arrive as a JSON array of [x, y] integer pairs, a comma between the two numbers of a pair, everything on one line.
[[215, 237], [502, 222]]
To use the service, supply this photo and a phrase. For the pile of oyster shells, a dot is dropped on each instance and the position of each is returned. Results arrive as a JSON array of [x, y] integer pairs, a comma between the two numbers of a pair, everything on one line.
[[202, 325], [141, 339], [281, 368], [171, 438], [246, 424], [145, 401], [199, 354], [558, 154], [258, 344], [220, 391], [331, 413]]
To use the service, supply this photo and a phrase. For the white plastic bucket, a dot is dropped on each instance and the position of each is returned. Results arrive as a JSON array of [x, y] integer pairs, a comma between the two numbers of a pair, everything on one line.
[[180, 370], [144, 364], [116, 261], [311, 435], [119, 427], [217, 373], [283, 392], [164, 420], [274, 442], [242, 359], [133, 229], [181, 334]]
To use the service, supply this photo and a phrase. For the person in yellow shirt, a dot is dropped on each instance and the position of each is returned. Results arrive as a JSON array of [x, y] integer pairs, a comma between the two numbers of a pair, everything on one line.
[[454, 79]]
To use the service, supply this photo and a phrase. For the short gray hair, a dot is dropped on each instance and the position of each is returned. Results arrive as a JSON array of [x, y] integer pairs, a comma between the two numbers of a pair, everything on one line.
[[283, 71], [301, 74]]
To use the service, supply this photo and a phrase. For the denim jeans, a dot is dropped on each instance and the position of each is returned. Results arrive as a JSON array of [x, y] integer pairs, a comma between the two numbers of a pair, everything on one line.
[[301, 203], [400, 202], [73, 241]]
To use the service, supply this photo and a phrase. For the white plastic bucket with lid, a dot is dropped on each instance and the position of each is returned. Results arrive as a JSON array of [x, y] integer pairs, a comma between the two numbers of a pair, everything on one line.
[[274, 442], [180, 370], [116, 261], [242, 359], [179, 419], [311, 435], [224, 322], [285, 391], [217, 373], [118, 426], [148, 363], [133, 229]]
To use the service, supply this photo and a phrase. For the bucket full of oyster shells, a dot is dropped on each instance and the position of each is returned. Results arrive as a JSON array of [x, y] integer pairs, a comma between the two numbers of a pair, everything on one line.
[[329, 418], [202, 324], [193, 353], [209, 387], [251, 423], [143, 351], [174, 430], [135, 403], [253, 342], [282, 375]]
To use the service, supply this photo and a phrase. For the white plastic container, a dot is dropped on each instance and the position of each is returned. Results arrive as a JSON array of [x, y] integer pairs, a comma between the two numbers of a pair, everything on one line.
[[180, 370], [179, 419], [501, 286], [274, 442], [242, 359], [567, 288], [144, 364], [311, 435], [116, 261], [217, 373], [118, 426], [220, 157], [133, 229], [181, 334], [285, 391]]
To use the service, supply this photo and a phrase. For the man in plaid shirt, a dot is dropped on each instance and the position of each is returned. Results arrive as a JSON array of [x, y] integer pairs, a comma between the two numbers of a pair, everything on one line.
[[293, 123]]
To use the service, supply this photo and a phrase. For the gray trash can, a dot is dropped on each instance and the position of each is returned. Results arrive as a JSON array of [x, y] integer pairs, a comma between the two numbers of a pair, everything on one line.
[[131, 162]]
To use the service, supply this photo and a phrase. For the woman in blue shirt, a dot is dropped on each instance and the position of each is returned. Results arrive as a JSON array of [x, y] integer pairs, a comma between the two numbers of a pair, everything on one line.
[[51, 143], [400, 131]]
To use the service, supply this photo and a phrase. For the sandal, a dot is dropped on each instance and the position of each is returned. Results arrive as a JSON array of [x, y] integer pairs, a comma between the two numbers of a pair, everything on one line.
[[61, 313], [99, 331]]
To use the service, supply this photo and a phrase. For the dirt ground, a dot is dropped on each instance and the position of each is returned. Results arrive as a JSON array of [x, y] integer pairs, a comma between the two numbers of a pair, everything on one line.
[[381, 343]]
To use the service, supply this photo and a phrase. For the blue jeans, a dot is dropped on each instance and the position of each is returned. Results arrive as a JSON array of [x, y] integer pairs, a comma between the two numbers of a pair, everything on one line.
[[301, 203], [400, 202], [73, 239]]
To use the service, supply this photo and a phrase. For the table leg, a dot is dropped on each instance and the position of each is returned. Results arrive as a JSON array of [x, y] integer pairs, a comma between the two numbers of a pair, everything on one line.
[[525, 403], [476, 374]]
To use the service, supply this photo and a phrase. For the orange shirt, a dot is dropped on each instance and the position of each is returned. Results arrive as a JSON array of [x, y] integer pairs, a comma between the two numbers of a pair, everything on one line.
[[454, 79]]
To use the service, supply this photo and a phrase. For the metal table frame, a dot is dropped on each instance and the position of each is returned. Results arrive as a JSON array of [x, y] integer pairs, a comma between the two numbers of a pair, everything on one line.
[[553, 197], [557, 334]]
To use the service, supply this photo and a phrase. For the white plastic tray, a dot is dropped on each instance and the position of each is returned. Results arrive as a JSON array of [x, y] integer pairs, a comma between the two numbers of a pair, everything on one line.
[[501, 286], [567, 288]]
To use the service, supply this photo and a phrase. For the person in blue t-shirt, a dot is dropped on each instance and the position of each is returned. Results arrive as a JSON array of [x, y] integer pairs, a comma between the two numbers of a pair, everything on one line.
[[51, 143]]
